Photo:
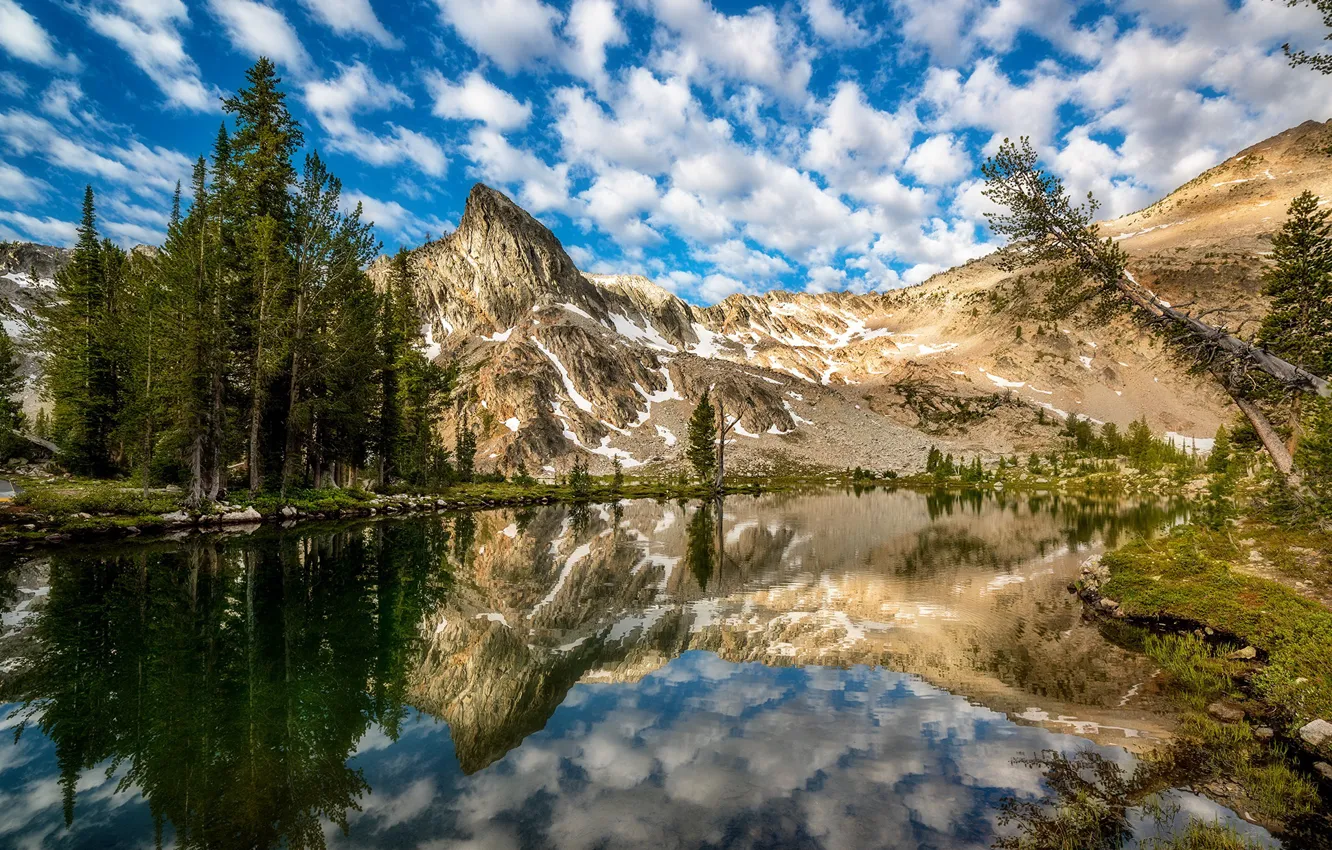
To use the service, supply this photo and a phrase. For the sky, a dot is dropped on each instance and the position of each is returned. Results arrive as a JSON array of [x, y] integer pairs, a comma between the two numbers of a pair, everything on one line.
[[715, 147]]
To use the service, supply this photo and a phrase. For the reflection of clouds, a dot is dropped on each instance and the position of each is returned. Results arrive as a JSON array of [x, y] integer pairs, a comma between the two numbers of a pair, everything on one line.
[[738, 755]]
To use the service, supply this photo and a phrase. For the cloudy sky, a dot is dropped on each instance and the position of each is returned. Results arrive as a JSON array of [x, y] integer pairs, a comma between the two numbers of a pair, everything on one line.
[[723, 147]]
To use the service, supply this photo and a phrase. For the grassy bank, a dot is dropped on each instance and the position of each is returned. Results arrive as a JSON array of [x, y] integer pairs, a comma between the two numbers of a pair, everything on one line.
[[1200, 577], [59, 508]]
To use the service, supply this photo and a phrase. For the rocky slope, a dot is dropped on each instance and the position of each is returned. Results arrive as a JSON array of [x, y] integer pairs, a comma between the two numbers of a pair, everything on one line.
[[557, 363]]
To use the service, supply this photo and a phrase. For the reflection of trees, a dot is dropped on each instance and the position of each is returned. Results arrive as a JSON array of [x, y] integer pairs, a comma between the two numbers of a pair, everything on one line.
[[232, 679], [700, 549]]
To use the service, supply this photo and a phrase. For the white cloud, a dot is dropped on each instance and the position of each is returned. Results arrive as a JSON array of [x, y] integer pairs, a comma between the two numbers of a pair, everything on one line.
[[756, 47], [989, 100], [592, 27], [392, 217], [476, 99], [735, 258], [45, 229], [616, 201], [23, 38], [129, 233], [511, 33], [59, 100], [854, 139], [144, 170], [716, 288], [830, 23], [15, 185], [336, 101], [259, 30], [939, 160], [542, 187], [148, 30], [825, 279], [686, 214], [12, 84], [351, 17]]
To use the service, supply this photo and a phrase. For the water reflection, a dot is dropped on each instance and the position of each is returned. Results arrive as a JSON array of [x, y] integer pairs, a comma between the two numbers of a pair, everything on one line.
[[288, 687]]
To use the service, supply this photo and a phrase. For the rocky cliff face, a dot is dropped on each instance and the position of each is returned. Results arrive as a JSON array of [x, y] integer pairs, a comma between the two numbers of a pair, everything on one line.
[[557, 363]]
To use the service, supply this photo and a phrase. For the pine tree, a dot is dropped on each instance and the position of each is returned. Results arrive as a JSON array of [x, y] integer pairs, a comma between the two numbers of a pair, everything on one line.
[[73, 330], [465, 453], [702, 450], [1218, 461], [11, 404], [1298, 326], [617, 474]]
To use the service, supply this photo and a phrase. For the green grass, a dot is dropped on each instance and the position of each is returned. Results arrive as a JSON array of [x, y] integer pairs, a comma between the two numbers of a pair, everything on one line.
[[1206, 836], [1188, 576]]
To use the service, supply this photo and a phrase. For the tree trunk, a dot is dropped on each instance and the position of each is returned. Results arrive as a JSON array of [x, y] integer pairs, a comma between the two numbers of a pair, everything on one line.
[[1290, 375], [1271, 440], [292, 395], [1293, 444]]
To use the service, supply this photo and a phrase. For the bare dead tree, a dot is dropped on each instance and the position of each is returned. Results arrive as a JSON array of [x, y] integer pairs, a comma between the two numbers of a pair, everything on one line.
[[723, 428]]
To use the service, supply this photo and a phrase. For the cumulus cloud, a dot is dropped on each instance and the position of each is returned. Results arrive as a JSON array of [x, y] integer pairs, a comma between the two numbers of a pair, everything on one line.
[[511, 33], [541, 187], [335, 102], [149, 32], [476, 99], [832, 24], [756, 47], [15, 185], [351, 17], [939, 160], [258, 30], [591, 28], [25, 39], [47, 229], [392, 217], [60, 98]]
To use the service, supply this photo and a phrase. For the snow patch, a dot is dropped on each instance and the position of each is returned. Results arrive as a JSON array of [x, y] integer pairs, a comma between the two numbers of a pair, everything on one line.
[[666, 436], [574, 395], [649, 337], [512, 423]]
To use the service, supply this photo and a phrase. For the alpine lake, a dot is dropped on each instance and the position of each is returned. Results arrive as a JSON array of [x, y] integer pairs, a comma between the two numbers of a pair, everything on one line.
[[876, 669]]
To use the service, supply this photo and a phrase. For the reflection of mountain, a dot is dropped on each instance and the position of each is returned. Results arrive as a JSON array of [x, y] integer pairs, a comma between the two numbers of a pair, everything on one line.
[[230, 680], [968, 593]]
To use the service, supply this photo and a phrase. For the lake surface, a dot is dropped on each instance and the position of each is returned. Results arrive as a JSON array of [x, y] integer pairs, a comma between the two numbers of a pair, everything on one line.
[[834, 670]]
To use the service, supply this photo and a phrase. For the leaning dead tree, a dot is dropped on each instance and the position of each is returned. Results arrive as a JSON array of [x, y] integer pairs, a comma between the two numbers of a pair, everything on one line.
[[1043, 225], [723, 428]]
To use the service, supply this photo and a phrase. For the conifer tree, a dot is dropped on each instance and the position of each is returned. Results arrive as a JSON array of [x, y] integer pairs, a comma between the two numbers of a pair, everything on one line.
[[702, 450], [11, 405], [1218, 461], [80, 374], [465, 453], [1298, 326]]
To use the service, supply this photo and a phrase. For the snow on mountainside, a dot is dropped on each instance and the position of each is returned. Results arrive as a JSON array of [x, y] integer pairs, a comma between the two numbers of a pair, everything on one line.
[[558, 363]]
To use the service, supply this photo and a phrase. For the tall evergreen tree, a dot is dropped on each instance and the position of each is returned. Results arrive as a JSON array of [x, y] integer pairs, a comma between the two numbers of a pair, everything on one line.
[[11, 404], [75, 331], [1298, 326], [702, 450]]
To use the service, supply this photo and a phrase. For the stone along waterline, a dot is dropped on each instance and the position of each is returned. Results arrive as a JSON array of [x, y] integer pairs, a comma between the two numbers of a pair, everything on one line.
[[812, 670]]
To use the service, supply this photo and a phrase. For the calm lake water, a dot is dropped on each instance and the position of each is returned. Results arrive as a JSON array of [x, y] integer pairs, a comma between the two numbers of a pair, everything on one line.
[[831, 670]]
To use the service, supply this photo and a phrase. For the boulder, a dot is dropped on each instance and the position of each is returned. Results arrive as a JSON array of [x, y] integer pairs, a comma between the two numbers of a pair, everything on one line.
[[1316, 733], [1264, 733], [1108, 604], [177, 518], [1226, 711], [247, 515], [1248, 653], [1324, 769]]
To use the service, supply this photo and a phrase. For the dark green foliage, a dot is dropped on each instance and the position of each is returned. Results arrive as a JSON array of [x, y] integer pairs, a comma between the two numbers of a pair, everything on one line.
[[702, 450], [11, 406], [1298, 326], [700, 551], [933, 460], [80, 331], [1320, 61], [580, 481], [465, 454], [1219, 460], [253, 339], [617, 474]]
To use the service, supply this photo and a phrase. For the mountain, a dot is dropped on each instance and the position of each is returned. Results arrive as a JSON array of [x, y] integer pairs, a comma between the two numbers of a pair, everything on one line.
[[556, 362]]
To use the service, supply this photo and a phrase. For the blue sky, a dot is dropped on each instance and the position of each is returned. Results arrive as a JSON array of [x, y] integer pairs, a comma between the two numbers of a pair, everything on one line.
[[716, 148]]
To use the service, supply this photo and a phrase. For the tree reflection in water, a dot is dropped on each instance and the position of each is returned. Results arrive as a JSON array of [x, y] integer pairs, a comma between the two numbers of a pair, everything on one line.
[[231, 680]]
